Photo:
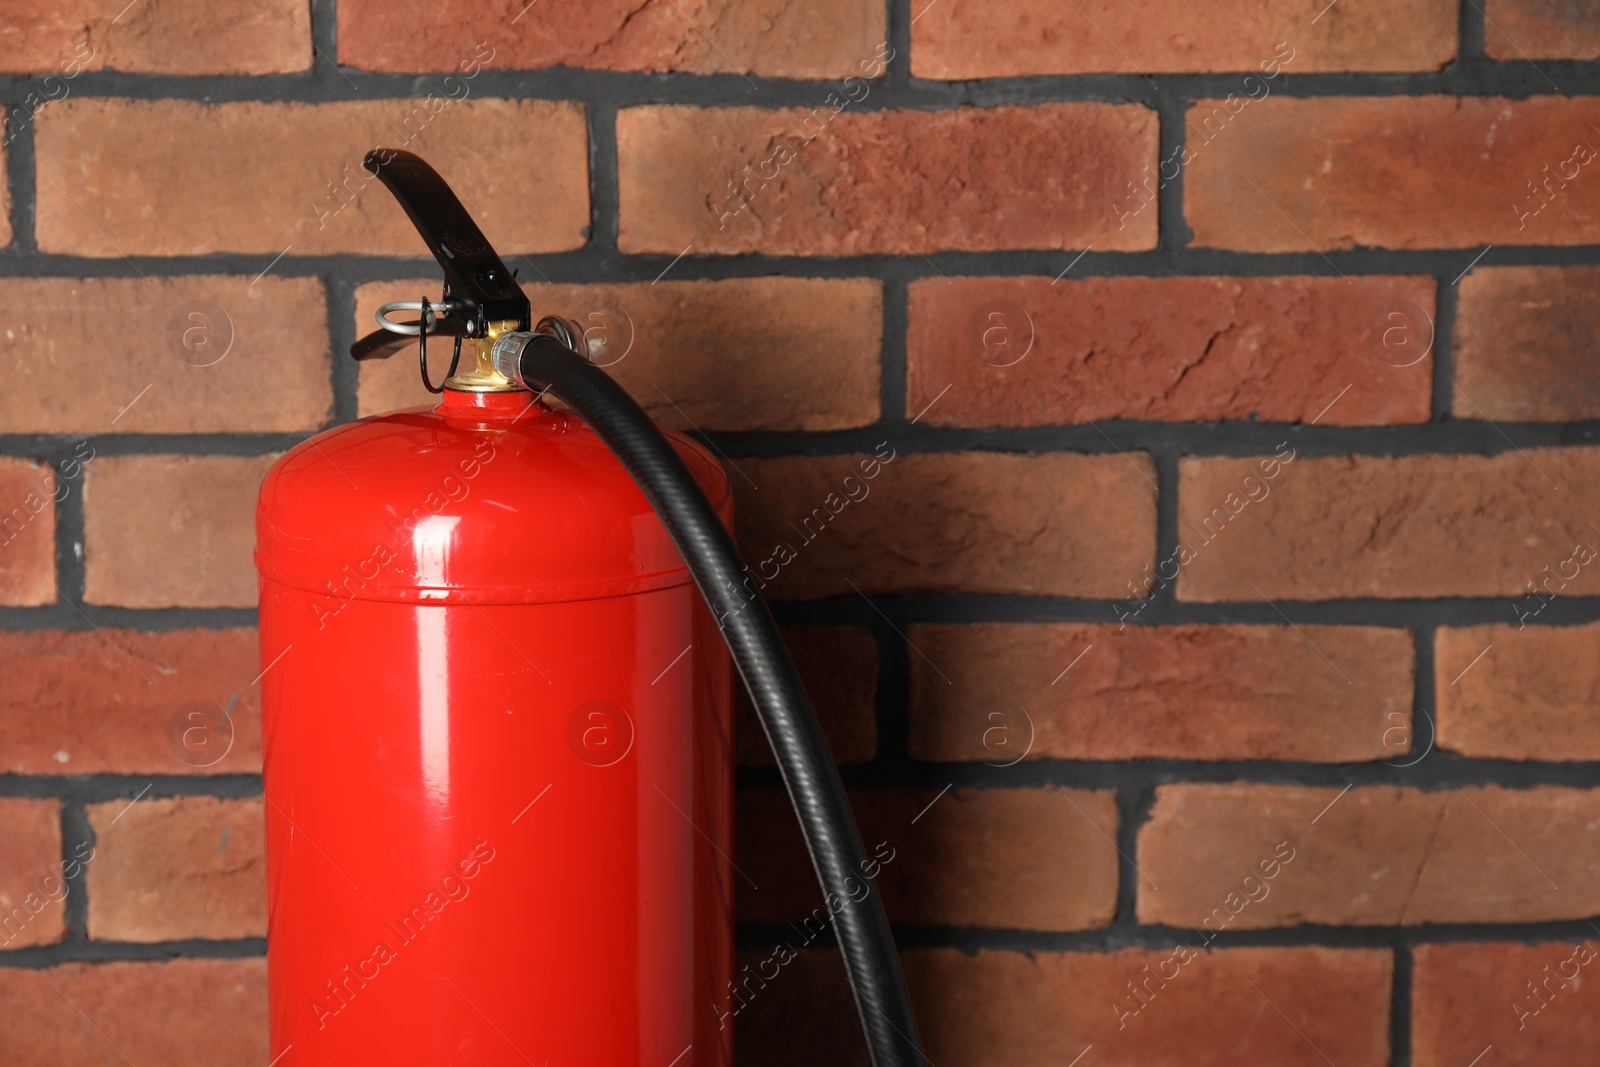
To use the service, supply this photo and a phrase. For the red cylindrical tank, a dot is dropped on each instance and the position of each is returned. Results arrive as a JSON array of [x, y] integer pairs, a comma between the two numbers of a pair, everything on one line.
[[498, 751]]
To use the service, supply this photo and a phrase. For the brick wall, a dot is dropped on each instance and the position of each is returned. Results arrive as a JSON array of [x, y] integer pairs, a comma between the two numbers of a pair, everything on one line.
[[1216, 655]]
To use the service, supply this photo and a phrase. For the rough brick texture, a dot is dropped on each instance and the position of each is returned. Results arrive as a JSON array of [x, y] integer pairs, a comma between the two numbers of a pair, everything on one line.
[[170, 869], [824, 39], [1367, 526], [1033, 859], [28, 493], [1040, 352], [739, 354], [1535, 1004], [904, 183], [1342, 172], [839, 666], [169, 37], [295, 181], [180, 1013], [1000, 692], [168, 355], [1510, 692], [1237, 857], [1309, 1006], [163, 531], [997, 333], [942, 522], [1022, 37], [1540, 29], [1525, 345], [119, 701], [32, 892]]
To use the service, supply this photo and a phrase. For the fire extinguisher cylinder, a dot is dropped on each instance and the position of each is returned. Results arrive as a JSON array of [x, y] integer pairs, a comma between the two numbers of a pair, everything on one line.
[[455, 554]]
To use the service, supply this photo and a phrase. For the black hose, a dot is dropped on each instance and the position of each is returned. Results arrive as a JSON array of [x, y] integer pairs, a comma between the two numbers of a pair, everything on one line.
[[871, 962]]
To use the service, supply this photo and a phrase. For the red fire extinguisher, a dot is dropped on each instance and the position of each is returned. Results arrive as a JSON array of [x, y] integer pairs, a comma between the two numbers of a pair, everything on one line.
[[497, 715]]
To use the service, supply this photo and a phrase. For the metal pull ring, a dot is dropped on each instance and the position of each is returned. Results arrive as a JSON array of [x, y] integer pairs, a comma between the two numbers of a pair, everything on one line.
[[429, 315]]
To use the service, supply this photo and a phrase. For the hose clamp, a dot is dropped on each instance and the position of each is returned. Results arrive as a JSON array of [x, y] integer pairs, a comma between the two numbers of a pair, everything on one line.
[[506, 353]]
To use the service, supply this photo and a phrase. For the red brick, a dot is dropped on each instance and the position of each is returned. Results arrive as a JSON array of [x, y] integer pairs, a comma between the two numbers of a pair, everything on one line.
[[1010, 38], [28, 532], [770, 38], [739, 354], [1524, 340], [180, 1013], [165, 531], [1369, 526], [32, 891], [946, 522], [1529, 696], [168, 355], [893, 182], [1171, 349], [172, 37], [1014, 1009], [1033, 859], [1465, 997], [1372, 856], [1523, 30], [295, 181], [177, 868], [839, 666], [1085, 691], [1347, 172], [118, 702]]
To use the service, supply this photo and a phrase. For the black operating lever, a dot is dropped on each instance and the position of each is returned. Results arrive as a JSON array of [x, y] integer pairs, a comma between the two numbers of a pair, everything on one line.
[[473, 270], [479, 289]]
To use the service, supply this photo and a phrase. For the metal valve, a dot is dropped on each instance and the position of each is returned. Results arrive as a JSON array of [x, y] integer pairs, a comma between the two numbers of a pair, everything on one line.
[[482, 301]]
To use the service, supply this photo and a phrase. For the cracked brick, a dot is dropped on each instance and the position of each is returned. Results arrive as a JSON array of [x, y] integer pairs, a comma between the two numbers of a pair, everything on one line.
[[842, 182], [768, 38], [1035, 351]]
